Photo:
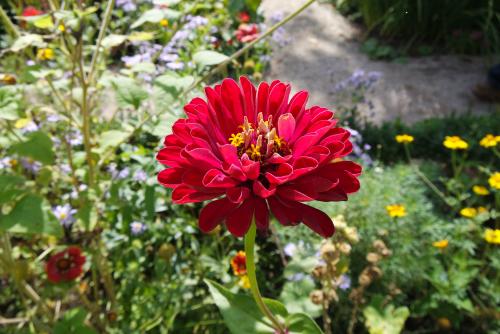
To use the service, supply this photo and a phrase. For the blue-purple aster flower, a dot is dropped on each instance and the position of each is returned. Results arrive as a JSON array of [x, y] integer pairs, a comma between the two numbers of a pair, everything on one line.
[[344, 282], [140, 176], [65, 214], [31, 166], [137, 228]]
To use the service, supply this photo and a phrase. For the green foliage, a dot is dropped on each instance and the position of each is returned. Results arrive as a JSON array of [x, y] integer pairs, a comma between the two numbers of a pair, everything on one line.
[[380, 319], [468, 26], [429, 136], [38, 146], [72, 322]]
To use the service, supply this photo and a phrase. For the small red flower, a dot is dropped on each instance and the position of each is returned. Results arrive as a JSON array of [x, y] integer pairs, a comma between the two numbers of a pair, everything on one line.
[[244, 17], [65, 266], [239, 264], [247, 32], [255, 150], [31, 11]]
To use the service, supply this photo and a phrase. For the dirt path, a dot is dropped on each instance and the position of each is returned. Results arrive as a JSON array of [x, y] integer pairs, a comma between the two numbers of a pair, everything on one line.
[[323, 50]]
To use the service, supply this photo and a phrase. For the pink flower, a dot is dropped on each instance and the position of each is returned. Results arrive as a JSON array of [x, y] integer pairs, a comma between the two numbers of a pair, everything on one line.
[[247, 32], [256, 151]]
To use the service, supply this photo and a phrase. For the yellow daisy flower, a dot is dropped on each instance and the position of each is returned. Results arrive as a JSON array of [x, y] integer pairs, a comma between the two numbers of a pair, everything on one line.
[[489, 141], [455, 143], [494, 180], [441, 244], [396, 210], [468, 212], [480, 190], [492, 236], [404, 139]]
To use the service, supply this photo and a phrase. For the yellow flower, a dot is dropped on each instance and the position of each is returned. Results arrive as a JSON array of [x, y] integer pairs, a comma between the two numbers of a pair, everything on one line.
[[468, 212], [396, 210], [480, 190], [164, 23], [45, 54], [455, 143], [61, 28], [441, 244], [492, 236], [244, 282], [489, 141], [8, 79], [404, 139], [481, 209], [494, 180]]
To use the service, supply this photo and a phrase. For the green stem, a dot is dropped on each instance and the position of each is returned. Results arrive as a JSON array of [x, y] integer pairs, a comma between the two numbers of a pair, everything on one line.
[[9, 26], [254, 286], [102, 31]]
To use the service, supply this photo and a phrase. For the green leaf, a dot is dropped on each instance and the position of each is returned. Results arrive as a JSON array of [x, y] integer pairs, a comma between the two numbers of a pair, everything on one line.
[[240, 312], [129, 92], [73, 323], [173, 84], [8, 103], [12, 187], [302, 323], [207, 58], [155, 15], [295, 295], [38, 147], [389, 320], [111, 138], [139, 36], [44, 22], [29, 217], [113, 40], [28, 40]]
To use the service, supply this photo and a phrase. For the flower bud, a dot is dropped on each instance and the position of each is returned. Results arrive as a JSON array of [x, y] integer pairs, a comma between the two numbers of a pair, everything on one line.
[[319, 271], [372, 258], [328, 252], [345, 248], [166, 251], [316, 297]]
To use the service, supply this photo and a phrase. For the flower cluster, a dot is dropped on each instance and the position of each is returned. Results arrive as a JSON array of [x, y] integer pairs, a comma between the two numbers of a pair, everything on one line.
[[65, 266], [331, 272], [472, 212], [257, 151], [494, 180]]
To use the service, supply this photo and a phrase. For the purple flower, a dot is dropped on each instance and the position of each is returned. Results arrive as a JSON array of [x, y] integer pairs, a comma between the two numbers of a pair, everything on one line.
[[65, 214], [297, 277], [126, 5], [123, 174], [290, 249], [31, 166], [176, 65], [29, 127], [344, 282], [6, 163], [137, 228], [140, 176], [53, 118]]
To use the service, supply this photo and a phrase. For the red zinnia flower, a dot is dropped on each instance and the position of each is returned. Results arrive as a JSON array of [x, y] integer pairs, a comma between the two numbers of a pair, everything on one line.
[[31, 11], [255, 150], [239, 264], [247, 32], [244, 17], [66, 265]]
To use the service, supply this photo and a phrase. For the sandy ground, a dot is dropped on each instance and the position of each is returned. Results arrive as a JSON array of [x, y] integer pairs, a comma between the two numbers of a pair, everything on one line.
[[323, 50]]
